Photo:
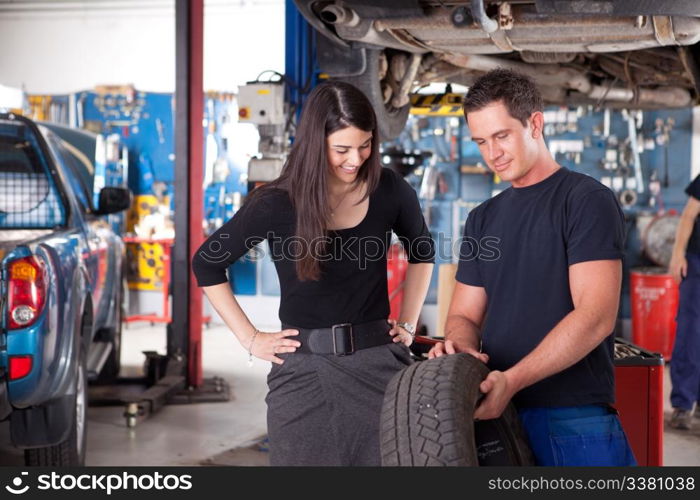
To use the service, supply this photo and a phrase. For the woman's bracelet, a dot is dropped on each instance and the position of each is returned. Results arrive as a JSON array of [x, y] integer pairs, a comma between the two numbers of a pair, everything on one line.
[[250, 347]]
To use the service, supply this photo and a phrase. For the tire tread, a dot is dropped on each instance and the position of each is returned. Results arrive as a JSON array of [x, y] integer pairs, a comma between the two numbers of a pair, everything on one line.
[[426, 415]]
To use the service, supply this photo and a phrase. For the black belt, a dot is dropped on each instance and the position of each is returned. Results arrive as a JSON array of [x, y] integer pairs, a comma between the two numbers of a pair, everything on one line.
[[342, 339]]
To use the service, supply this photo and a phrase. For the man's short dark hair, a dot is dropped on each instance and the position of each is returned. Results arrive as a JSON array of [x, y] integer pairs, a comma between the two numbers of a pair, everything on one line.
[[517, 91]]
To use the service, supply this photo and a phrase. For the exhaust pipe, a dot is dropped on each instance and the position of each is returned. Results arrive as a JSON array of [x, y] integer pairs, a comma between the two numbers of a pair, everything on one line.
[[479, 14], [336, 14], [552, 75]]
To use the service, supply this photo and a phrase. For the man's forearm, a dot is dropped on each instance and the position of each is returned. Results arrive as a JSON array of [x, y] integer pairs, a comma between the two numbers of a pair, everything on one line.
[[462, 332], [570, 341], [683, 232]]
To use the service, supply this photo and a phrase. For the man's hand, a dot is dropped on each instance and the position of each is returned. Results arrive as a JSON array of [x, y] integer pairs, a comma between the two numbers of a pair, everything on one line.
[[450, 347], [678, 268], [499, 390], [464, 318]]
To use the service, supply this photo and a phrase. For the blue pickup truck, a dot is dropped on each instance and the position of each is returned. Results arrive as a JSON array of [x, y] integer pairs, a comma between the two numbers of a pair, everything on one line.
[[61, 270]]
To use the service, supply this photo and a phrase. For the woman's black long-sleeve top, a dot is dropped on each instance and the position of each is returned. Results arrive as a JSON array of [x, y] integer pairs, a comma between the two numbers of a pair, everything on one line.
[[353, 283]]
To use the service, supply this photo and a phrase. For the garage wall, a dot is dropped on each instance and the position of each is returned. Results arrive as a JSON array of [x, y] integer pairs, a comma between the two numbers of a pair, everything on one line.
[[66, 46]]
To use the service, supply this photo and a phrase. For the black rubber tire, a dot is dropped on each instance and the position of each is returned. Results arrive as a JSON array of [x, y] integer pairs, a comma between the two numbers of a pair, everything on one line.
[[390, 120], [427, 418], [110, 370], [71, 452]]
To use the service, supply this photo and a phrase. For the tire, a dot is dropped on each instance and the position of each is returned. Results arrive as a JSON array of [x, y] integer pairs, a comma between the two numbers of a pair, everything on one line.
[[427, 419], [390, 120], [70, 452], [110, 370]]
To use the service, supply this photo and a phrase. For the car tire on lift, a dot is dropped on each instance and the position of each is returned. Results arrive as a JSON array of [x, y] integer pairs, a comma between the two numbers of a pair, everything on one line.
[[390, 120], [428, 419]]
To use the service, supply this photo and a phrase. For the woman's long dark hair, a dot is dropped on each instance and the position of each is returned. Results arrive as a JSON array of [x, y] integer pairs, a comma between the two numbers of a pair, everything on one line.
[[331, 106]]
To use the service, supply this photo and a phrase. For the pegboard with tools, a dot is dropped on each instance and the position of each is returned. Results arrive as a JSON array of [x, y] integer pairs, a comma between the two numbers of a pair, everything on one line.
[[427, 154], [225, 169], [644, 157], [144, 121]]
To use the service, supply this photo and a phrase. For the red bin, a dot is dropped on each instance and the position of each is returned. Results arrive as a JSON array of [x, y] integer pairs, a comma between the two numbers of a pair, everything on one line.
[[397, 265], [654, 297]]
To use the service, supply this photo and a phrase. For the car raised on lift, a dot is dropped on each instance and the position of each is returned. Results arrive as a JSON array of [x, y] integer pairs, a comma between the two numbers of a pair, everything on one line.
[[623, 53]]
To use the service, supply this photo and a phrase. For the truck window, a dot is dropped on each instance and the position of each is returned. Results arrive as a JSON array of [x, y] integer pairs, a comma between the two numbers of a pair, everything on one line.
[[28, 196], [78, 174]]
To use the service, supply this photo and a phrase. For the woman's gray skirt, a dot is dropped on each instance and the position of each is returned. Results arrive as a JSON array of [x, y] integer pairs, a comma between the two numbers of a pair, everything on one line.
[[324, 409]]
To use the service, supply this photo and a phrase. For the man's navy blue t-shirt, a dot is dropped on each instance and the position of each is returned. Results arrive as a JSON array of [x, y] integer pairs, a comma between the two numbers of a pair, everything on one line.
[[693, 190], [519, 246]]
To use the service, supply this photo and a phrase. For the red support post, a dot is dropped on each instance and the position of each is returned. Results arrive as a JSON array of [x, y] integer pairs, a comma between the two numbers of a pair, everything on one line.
[[196, 175]]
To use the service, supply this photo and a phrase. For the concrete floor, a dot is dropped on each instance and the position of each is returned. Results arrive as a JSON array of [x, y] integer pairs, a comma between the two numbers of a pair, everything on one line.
[[205, 433], [680, 447], [178, 434]]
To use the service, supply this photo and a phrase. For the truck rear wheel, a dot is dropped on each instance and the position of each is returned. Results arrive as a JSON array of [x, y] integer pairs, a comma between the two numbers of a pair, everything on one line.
[[70, 452], [110, 370]]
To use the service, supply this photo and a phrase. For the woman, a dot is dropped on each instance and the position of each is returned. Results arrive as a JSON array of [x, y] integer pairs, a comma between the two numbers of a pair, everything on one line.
[[328, 220]]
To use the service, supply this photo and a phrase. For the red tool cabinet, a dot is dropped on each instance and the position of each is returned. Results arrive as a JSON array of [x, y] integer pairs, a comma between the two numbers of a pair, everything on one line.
[[639, 381]]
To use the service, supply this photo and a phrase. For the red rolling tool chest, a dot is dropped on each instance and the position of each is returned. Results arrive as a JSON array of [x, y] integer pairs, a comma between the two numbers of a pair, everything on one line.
[[639, 381]]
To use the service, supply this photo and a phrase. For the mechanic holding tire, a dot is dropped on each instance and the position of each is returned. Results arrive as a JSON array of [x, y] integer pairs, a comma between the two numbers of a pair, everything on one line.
[[540, 309], [328, 220]]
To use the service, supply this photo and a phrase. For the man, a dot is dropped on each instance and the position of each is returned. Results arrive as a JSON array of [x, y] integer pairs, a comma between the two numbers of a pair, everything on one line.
[[685, 268], [541, 312]]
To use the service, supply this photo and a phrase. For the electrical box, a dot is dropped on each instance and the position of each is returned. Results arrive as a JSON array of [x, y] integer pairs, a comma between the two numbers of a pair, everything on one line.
[[264, 169], [261, 103]]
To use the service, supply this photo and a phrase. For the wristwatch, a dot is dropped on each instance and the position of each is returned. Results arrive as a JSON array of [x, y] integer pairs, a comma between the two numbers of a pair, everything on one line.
[[408, 327]]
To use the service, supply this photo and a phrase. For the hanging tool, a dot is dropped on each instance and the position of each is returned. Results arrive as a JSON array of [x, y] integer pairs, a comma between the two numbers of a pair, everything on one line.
[[428, 188], [666, 181], [606, 123], [632, 117], [663, 138], [655, 190]]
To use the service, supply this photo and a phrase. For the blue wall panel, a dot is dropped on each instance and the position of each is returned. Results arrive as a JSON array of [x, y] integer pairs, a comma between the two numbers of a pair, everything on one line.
[[438, 134]]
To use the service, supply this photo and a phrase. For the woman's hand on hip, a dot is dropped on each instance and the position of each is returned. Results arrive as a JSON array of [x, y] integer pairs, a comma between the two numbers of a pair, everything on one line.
[[266, 345]]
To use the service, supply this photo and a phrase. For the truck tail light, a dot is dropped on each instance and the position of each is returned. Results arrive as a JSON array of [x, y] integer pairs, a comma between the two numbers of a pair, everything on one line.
[[20, 366], [26, 291]]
